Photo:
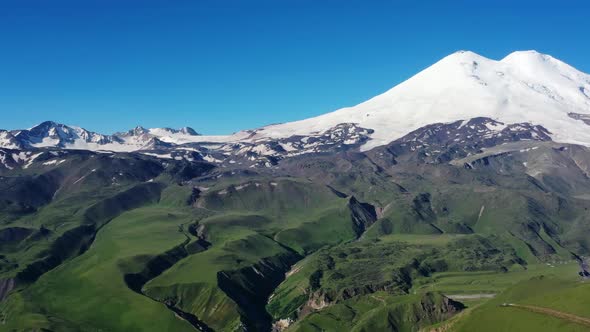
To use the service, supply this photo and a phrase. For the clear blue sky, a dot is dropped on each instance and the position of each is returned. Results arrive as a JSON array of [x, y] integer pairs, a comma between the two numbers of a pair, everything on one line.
[[221, 65]]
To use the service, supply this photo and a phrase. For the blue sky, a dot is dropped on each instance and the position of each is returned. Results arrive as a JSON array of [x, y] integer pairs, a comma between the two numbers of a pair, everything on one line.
[[221, 65]]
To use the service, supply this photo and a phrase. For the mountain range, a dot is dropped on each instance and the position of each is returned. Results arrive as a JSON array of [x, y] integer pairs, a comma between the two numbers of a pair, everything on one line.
[[524, 87]]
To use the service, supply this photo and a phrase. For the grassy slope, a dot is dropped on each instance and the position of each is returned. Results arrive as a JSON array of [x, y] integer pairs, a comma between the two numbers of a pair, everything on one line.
[[89, 292], [192, 283], [299, 214], [247, 222], [240, 239], [378, 312], [294, 291], [397, 264], [264, 218], [77, 184], [555, 292]]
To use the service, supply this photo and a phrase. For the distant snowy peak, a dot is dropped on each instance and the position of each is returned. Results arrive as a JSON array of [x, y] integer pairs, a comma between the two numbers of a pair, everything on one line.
[[159, 132], [188, 131], [523, 87], [176, 136], [56, 135], [51, 134], [7, 140], [137, 131]]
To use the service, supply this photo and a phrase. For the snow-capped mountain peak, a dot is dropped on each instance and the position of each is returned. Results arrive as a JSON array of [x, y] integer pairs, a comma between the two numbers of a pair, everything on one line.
[[188, 131], [169, 131], [523, 87], [54, 134], [137, 131]]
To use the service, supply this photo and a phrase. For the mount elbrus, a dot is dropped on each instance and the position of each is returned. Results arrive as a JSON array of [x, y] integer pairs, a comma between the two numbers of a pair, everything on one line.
[[525, 86], [460, 186]]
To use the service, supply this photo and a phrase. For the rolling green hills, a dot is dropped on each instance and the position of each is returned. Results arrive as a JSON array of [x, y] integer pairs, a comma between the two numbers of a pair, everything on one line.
[[376, 241]]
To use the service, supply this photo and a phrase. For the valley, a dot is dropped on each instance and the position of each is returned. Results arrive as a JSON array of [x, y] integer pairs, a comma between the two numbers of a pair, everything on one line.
[[227, 250]]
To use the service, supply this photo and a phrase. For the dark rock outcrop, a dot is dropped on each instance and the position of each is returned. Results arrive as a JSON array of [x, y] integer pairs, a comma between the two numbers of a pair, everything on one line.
[[6, 285], [363, 215], [251, 286]]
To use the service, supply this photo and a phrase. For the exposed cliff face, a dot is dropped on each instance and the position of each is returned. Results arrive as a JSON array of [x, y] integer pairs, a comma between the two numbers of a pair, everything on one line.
[[429, 309], [317, 301], [6, 285], [155, 266], [435, 308], [251, 286], [363, 215]]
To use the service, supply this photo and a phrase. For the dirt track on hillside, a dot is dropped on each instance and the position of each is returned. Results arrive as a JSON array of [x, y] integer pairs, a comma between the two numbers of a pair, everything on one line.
[[459, 297], [554, 313]]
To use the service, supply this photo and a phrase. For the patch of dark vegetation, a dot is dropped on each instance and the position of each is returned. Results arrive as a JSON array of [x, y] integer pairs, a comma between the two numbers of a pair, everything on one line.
[[13, 235], [185, 171], [386, 226], [107, 209], [70, 244], [25, 193], [11, 210], [422, 207], [314, 280]]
